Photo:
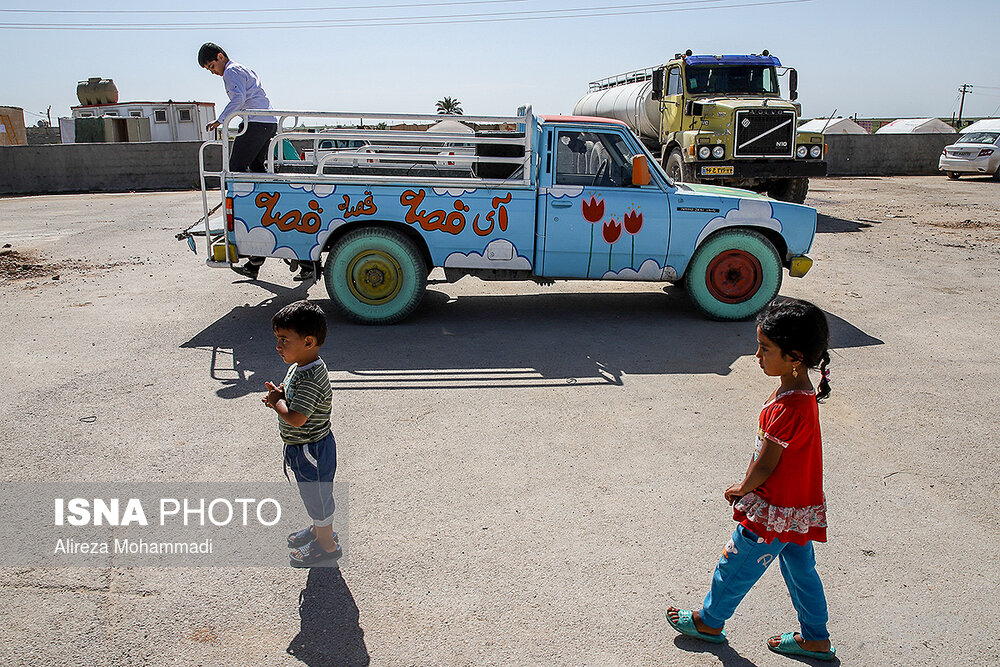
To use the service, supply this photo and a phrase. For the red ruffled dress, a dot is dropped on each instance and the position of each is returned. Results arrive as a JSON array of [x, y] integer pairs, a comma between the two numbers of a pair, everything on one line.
[[790, 506]]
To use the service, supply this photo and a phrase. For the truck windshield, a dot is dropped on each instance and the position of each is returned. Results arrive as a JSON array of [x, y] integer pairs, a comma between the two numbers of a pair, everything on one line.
[[731, 79]]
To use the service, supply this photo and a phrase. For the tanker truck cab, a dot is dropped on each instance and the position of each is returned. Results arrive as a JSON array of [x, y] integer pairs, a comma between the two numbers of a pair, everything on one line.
[[538, 198], [717, 119]]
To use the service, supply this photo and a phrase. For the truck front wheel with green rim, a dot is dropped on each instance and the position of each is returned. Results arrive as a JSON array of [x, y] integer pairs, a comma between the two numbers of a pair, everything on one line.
[[375, 276], [733, 275]]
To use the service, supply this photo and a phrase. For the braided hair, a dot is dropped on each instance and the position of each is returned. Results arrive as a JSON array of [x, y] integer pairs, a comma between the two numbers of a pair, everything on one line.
[[801, 331]]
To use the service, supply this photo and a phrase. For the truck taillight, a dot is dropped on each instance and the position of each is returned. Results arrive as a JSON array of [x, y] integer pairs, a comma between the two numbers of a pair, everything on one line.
[[229, 214]]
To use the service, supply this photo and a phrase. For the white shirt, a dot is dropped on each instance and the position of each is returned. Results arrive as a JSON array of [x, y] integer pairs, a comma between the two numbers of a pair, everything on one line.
[[245, 92]]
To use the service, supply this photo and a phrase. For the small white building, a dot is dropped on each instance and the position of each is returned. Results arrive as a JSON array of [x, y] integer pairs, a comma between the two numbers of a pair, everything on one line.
[[168, 121], [837, 125], [916, 126]]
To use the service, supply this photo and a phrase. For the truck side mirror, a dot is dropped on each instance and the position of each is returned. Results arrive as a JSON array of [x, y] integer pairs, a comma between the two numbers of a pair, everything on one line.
[[640, 170], [658, 76], [793, 85]]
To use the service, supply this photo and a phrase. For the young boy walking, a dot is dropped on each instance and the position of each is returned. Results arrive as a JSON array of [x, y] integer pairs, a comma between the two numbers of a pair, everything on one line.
[[302, 403]]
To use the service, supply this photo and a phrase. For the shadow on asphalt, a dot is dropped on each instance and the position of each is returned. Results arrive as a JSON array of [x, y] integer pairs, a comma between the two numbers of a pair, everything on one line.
[[486, 341], [329, 633], [728, 657], [726, 654], [829, 225]]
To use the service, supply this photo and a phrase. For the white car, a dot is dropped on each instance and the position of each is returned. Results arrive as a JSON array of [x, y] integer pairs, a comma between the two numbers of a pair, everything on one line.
[[977, 151]]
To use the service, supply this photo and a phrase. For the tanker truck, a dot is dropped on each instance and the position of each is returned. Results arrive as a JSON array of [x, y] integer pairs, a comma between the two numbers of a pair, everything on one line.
[[716, 119]]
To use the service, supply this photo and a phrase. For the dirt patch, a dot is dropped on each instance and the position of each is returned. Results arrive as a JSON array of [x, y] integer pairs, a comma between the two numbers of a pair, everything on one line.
[[925, 200], [965, 224], [203, 635], [21, 267]]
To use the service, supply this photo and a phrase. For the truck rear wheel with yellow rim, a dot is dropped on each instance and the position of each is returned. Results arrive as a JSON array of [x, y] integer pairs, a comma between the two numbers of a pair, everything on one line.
[[733, 275], [375, 276]]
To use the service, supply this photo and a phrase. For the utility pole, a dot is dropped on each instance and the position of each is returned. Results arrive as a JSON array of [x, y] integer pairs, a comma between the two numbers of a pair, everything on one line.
[[966, 88]]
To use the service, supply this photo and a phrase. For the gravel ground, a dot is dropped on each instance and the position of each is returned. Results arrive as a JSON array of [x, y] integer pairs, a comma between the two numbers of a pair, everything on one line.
[[535, 473]]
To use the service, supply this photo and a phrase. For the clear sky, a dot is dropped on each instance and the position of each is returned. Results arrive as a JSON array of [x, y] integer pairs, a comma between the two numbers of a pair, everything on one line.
[[871, 58]]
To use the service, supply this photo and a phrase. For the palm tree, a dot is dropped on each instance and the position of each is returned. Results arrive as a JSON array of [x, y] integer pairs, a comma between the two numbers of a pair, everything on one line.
[[449, 106]]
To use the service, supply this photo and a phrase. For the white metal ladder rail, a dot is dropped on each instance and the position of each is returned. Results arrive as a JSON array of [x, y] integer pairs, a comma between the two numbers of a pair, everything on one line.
[[211, 241]]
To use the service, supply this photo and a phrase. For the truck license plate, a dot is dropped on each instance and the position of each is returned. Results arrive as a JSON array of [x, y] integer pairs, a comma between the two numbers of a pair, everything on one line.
[[717, 171]]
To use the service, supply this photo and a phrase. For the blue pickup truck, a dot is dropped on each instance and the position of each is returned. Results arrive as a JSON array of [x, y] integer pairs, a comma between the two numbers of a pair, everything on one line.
[[526, 198]]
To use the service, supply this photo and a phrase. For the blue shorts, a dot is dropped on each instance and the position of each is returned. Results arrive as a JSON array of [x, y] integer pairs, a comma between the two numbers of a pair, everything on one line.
[[314, 466]]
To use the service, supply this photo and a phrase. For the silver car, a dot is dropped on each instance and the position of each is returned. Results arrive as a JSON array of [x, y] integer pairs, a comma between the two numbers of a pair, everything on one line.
[[977, 151]]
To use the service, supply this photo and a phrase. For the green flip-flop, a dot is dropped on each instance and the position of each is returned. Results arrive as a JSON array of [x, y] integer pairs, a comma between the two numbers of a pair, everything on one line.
[[789, 646], [685, 626]]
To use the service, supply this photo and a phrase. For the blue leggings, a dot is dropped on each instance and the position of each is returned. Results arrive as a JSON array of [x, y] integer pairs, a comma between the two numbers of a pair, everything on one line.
[[744, 561]]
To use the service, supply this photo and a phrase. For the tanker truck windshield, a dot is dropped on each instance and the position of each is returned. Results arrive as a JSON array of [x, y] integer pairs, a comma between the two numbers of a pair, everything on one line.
[[731, 79]]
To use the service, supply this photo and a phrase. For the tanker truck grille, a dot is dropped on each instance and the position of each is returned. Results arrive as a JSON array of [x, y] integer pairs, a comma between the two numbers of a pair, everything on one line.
[[765, 133]]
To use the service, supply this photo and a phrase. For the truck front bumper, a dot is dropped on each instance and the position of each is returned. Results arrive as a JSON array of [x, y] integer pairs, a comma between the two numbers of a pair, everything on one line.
[[707, 170]]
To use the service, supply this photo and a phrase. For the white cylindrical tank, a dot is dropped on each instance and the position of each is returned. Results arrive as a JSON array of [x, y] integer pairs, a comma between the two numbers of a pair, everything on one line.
[[631, 103]]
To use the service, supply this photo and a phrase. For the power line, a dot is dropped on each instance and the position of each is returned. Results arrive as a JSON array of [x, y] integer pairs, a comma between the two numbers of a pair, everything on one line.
[[536, 15], [386, 19], [409, 5]]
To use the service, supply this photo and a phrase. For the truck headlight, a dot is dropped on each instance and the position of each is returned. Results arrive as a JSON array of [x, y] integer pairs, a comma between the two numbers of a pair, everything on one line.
[[704, 152], [802, 152], [719, 152], [815, 151]]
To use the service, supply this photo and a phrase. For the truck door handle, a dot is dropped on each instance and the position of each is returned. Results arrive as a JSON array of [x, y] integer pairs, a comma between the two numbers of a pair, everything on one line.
[[561, 204]]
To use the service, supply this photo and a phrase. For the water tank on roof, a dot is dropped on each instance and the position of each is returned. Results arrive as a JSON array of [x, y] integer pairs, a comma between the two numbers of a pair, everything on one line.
[[96, 90]]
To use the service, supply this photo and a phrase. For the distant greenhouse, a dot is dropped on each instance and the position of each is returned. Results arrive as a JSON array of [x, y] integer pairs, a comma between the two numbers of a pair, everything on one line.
[[916, 126], [832, 126]]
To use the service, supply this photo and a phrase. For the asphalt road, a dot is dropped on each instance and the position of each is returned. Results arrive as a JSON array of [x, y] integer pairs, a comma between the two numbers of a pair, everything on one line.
[[534, 472]]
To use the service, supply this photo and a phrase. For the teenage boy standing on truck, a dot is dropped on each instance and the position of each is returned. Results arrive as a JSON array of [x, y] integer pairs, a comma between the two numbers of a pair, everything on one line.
[[249, 150]]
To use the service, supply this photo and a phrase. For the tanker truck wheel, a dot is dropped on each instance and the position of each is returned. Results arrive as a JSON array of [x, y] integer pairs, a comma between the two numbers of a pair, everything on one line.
[[789, 189], [675, 167], [375, 276]]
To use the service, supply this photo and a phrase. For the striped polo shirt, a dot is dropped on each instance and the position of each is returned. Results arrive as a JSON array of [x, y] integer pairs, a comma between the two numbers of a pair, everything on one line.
[[307, 391]]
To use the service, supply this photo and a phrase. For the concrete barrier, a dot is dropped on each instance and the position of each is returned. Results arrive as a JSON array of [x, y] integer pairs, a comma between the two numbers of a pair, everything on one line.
[[163, 165], [885, 154], [118, 167]]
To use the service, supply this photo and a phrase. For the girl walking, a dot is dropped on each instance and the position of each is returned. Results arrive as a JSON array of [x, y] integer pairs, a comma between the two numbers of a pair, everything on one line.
[[780, 504]]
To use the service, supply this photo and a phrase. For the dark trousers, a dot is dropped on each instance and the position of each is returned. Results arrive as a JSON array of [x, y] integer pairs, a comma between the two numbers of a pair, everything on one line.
[[249, 151], [314, 466]]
